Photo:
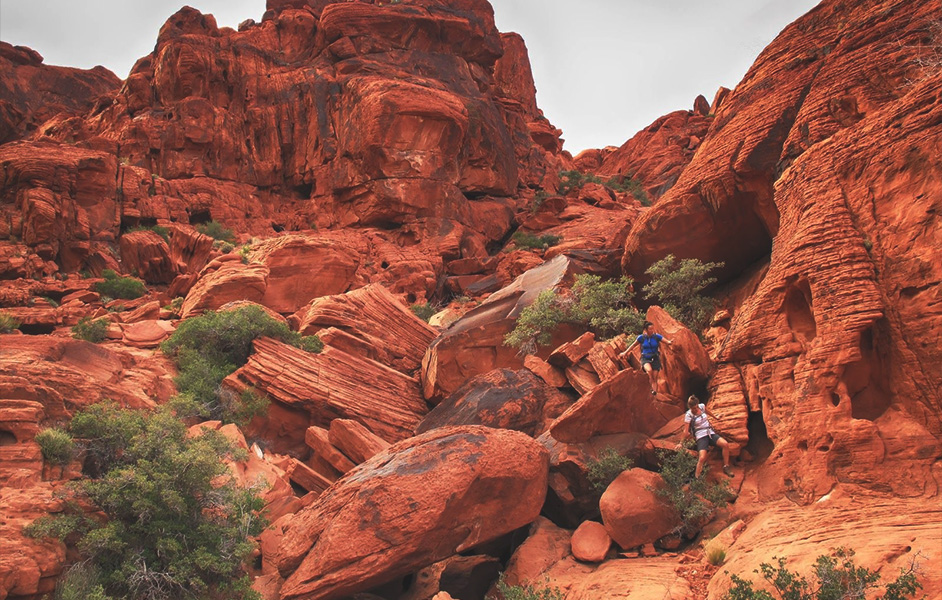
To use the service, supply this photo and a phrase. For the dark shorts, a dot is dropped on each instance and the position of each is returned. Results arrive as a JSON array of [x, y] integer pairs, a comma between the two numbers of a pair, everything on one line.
[[706, 441], [655, 362]]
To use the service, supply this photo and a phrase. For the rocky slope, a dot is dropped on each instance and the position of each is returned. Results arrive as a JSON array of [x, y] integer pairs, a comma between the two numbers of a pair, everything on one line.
[[371, 155]]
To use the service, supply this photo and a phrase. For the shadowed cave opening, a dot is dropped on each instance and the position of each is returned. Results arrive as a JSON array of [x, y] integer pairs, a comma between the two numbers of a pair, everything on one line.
[[799, 311], [760, 446], [7, 438], [866, 379]]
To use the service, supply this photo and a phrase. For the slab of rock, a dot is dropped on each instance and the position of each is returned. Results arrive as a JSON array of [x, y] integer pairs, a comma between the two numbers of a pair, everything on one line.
[[419, 502], [475, 343], [146, 334], [327, 267], [225, 280], [148, 255], [545, 546], [317, 438], [371, 314], [582, 377], [631, 511], [330, 385], [572, 352], [545, 371], [357, 442], [623, 404], [636, 579], [591, 542], [503, 399]]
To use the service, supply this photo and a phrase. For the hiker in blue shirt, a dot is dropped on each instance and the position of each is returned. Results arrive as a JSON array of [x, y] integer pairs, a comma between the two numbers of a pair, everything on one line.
[[650, 352]]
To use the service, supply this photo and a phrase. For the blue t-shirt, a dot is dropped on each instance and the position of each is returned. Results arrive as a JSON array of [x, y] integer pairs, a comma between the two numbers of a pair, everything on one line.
[[649, 345]]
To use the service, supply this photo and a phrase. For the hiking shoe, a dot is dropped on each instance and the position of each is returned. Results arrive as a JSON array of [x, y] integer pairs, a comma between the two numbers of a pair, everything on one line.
[[728, 470]]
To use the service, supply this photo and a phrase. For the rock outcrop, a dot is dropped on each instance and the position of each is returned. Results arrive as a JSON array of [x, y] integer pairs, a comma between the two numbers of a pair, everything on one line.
[[425, 499]]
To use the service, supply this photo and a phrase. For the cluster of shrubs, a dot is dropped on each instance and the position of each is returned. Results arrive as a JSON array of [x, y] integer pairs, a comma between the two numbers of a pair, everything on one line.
[[606, 307], [531, 241], [574, 180], [209, 348], [177, 523]]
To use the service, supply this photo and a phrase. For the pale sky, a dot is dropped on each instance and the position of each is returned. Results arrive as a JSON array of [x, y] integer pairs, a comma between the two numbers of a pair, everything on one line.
[[604, 69]]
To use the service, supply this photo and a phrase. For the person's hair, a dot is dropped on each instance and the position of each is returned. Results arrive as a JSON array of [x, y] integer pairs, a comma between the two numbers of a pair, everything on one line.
[[647, 324], [692, 401]]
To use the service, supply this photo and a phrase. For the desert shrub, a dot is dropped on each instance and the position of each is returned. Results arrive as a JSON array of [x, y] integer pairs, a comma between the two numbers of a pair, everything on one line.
[[57, 526], [177, 524], [603, 307], [536, 323], [716, 556], [105, 431], [81, 582], [601, 472], [158, 229], [531, 241], [56, 445], [244, 252], [91, 331], [311, 343], [677, 285], [837, 578], [210, 347], [528, 592], [175, 307], [574, 180], [8, 323], [217, 231], [115, 286], [692, 497], [423, 311]]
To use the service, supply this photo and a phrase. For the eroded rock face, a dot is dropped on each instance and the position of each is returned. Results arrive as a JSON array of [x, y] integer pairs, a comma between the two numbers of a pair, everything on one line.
[[426, 498], [502, 398], [32, 92], [830, 344]]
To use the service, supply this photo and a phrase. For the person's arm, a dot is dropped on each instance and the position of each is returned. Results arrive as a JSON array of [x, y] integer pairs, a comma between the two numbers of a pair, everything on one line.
[[684, 434], [664, 339], [628, 349]]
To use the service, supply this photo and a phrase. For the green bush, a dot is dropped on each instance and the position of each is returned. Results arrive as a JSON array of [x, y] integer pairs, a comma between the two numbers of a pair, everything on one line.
[[56, 445], [177, 524], [175, 307], [536, 323], [58, 526], [527, 592], [217, 231], [678, 287], [603, 307], [114, 286], [716, 556], [105, 431], [8, 323], [158, 229], [574, 180], [423, 311], [692, 497], [601, 472], [91, 331], [531, 241], [81, 582], [210, 347], [312, 344], [838, 578]]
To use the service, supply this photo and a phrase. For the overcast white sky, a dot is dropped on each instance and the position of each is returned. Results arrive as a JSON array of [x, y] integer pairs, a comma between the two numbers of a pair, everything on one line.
[[604, 69]]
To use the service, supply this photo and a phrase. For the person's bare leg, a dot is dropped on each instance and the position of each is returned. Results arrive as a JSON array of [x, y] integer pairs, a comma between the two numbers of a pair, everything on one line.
[[652, 376], [724, 446], [700, 462]]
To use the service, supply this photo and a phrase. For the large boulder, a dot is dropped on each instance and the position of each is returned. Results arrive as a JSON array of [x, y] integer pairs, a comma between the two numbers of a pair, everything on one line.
[[224, 280], [419, 502], [623, 404], [632, 511], [502, 398]]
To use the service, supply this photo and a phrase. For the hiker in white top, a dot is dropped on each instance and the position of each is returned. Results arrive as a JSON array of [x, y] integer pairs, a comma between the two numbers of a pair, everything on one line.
[[698, 419]]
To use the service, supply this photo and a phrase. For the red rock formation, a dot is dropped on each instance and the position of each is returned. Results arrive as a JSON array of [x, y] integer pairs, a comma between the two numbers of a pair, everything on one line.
[[31, 92], [503, 399], [658, 154], [445, 485], [590, 542], [633, 513], [475, 343], [147, 255], [382, 328], [623, 404], [326, 386], [224, 280], [354, 440]]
